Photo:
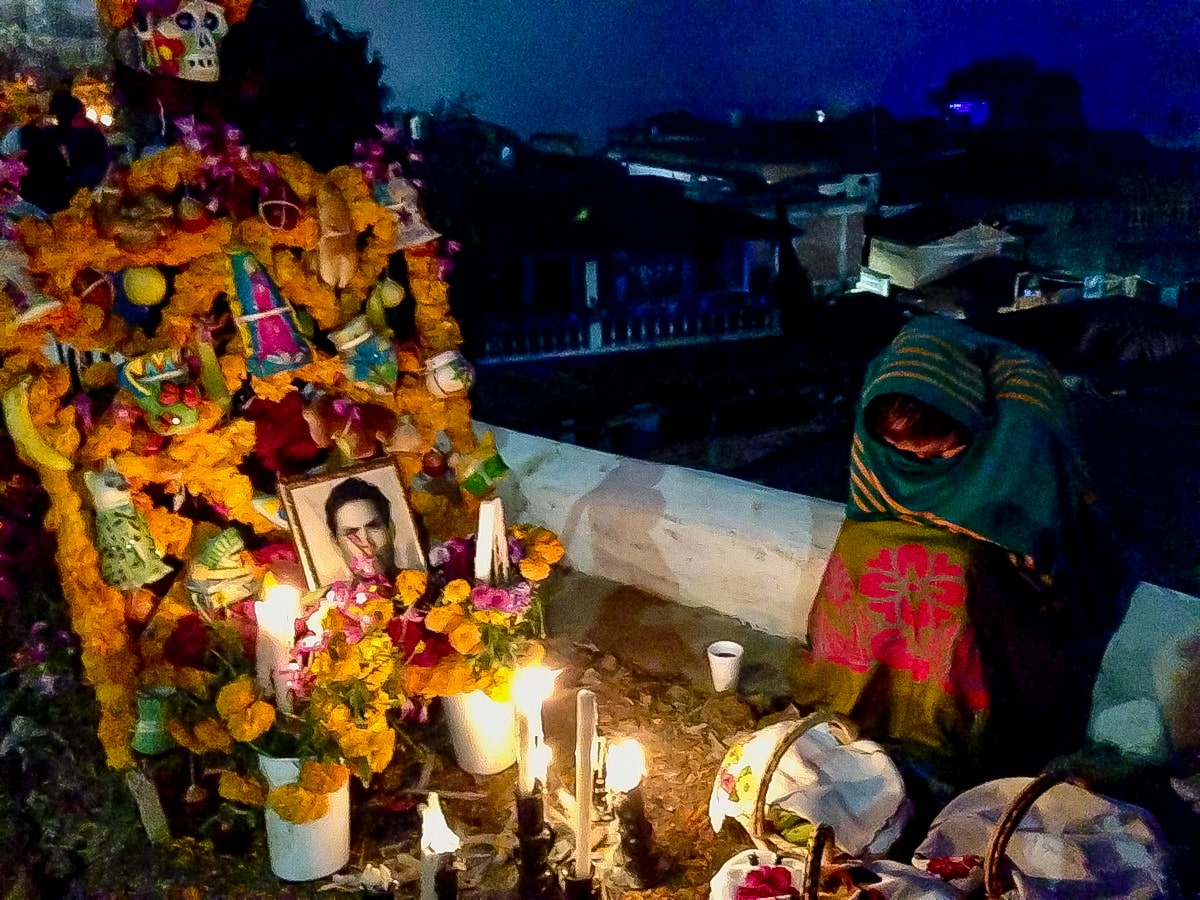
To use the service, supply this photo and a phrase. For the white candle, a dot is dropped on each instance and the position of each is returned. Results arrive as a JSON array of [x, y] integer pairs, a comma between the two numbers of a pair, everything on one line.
[[491, 543], [585, 736], [437, 840], [532, 685], [276, 614]]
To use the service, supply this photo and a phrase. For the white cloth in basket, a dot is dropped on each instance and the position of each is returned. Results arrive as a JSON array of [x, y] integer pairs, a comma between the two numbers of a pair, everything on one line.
[[1070, 844], [854, 788]]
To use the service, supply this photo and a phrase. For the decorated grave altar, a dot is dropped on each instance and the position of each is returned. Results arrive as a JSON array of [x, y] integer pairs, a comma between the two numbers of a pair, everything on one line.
[[277, 545]]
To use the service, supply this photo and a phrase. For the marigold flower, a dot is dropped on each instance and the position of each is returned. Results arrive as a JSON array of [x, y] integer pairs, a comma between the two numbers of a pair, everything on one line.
[[322, 778], [250, 790], [294, 804], [466, 638], [457, 591], [410, 586]]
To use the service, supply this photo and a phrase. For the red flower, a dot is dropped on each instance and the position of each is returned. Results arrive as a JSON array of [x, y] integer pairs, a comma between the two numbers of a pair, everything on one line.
[[766, 881], [282, 439], [188, 643], [416, 643]]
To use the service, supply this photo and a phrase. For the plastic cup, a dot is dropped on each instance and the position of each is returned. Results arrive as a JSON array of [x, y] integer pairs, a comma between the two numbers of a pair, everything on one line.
[[725, 662]]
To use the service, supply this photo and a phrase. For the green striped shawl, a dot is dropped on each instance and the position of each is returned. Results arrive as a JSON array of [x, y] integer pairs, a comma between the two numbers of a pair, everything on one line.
[[1016, 485]]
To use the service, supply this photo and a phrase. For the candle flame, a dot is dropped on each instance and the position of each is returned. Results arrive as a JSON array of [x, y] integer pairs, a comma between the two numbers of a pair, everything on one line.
[[436, 835], [626, 765], [531, 687]]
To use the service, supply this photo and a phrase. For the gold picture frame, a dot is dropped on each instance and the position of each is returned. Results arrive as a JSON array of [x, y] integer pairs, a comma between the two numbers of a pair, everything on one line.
[[306, 502]]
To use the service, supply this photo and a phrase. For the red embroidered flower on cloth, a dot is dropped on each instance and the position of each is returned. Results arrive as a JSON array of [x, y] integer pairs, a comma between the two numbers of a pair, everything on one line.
[[918, 595], [841, 631], [949, 868], [765, 882]]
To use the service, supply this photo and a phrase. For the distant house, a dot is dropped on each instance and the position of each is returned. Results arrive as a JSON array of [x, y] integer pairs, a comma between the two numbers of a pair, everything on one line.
[[565, 143], [927, 244], [587, 239]]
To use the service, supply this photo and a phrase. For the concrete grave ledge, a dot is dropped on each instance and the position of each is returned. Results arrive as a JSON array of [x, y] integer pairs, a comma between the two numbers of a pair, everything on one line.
[[697, 538], [756, 555]]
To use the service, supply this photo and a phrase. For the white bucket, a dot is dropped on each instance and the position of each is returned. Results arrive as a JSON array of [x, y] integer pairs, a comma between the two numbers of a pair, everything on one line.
[[314, 849], [483, 731]]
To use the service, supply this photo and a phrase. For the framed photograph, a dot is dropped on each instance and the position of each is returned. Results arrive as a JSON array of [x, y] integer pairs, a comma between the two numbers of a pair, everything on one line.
[[359, 514]]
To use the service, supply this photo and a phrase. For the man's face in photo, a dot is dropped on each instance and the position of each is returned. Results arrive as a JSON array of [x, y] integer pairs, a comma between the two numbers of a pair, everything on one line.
[[362, 532]]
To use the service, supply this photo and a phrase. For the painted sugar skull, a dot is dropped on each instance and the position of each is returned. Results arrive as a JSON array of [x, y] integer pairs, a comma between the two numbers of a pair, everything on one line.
[[183, 44]]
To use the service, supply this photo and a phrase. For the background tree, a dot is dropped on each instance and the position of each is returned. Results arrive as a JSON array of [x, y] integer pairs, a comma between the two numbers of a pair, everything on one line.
[[298, 86], [1019, 95]]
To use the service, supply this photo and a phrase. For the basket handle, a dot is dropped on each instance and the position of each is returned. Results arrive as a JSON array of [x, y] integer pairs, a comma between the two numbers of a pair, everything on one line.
[[849, 733], [822, 840], [993, 883]]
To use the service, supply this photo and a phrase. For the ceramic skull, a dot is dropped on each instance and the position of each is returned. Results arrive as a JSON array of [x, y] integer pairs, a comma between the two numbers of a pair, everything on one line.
[[183, 44]]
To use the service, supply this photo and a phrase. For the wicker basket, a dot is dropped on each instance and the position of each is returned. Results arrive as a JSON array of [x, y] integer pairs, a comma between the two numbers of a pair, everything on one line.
[[763, 838], [995, 884]]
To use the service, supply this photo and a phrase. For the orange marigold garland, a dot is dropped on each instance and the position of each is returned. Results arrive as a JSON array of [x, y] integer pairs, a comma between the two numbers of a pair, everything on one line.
[[206, 461]]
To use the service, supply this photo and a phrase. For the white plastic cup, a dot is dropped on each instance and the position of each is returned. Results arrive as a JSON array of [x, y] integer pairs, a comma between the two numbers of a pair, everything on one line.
[[725, 662]]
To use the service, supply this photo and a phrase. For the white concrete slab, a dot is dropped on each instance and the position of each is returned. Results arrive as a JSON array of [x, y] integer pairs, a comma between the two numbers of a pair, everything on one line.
[[697, 538]]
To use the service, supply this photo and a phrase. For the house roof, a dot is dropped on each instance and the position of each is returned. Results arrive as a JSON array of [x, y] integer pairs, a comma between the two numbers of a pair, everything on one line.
[[549, 212], [923, 225]]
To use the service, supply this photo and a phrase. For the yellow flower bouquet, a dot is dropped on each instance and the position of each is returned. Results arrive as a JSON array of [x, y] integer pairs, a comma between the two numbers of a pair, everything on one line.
[[344, 677], [475, 636]]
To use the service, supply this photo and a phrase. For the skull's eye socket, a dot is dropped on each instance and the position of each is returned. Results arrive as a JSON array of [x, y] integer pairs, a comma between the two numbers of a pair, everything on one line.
[[211, 21], [186, 21]]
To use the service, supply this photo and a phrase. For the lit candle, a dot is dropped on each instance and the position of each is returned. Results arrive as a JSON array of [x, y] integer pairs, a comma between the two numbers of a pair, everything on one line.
[[276, 614], [641, 865], [437, 842], [531, 686], [585, 736], [626, 764]]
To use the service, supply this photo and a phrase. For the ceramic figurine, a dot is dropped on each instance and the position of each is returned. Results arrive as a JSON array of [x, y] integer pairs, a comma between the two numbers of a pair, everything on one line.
[[128, 557], [368, 358], [265, 320], [160, 386], [448, 373]]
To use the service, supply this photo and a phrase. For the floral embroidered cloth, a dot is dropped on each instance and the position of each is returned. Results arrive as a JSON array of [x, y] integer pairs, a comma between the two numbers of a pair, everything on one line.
[[892, 645]]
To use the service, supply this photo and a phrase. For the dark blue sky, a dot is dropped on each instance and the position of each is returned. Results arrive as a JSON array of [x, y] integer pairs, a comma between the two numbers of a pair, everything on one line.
[[583, 65]]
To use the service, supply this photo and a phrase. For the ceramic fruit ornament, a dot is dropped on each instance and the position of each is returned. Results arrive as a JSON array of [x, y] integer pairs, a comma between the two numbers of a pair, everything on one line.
[[34, 448], [278, 204], [192, 215], [139, 290], [94, 287], [337, 252]]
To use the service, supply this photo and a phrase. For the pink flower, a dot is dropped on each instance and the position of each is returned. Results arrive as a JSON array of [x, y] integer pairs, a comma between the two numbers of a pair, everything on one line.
[[505, 600]]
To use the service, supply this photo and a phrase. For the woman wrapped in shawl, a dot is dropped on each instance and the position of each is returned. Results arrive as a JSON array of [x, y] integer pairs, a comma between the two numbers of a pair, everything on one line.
[[970, 595]]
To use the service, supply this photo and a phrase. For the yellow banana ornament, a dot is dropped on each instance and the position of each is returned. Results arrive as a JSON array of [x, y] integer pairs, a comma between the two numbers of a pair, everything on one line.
[[33, 447]]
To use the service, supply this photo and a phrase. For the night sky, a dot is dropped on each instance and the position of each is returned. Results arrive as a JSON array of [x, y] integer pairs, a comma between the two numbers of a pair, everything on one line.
[[584, 65]]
